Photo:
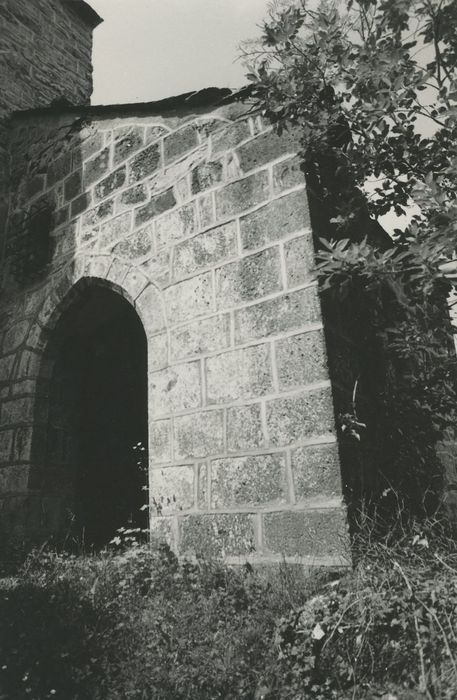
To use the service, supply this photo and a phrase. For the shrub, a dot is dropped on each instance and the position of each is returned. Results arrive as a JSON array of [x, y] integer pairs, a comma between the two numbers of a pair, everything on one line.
[[389, 624], [349, 78], [140, 624]]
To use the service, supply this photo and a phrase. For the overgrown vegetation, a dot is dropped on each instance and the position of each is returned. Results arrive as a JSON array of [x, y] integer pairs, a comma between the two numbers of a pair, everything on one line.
[[358, 79], [140, 624], [370, 86], [388, 627]]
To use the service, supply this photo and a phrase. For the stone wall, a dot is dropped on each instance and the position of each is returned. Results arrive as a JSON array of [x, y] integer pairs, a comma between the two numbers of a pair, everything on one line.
[[45, 54], [199, 218]]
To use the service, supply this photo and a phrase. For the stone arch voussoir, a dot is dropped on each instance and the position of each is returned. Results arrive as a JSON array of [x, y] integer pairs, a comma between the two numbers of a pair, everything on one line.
[[104, 270]]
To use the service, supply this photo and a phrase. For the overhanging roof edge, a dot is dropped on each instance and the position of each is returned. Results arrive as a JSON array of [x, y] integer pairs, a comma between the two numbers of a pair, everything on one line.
[[208, 97], [85, 11]]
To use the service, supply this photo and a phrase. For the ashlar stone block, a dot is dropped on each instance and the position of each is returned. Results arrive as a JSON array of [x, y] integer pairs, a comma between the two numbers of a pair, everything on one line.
[[205, 250], [175, 225], [27, 387], [301, 359], [80, 204], [160, 441], [181, 189], [244, 428], [158, 351], [134, 283], [94, 216], [110, 184], [95, 168], [144, 164], [158, 204], [278, 219], [191, 298], [215, 535], [157, 268], [203, 481], [97, 266], [311, 533], [199, 434], [23, 444], [265, 148], [171, 489], [248, 481], [206, 210], [281, 314], [16, 411], [137, 246], [237, 374], [15, 336], [36, 338], [150, 309], [6, 366], [154, 132], [115, 229], [117, 272], [6, 445], [206, 175], [62, 216], [73, 185], [300, 417], [230, 136], [129, 198], [58, 169], [127, 141], [287, 174], [90, 144], [198, 337], [233, 169], [178, 174], [250, 278], [177, 388], [243, 194], [180, 141], [316, 471], [300, 262], [29, 364]]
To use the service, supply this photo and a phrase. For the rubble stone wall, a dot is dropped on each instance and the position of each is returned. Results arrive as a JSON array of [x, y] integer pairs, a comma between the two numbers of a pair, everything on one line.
[[200, 220], [45, 54]]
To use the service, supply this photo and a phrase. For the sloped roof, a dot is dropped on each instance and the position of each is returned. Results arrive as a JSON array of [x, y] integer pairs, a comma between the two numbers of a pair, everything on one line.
[[85, 11], [198, 99]]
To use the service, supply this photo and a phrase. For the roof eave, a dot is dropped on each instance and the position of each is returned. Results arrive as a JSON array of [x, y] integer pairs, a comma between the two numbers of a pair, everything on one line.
[[85, 11], [199, 99]]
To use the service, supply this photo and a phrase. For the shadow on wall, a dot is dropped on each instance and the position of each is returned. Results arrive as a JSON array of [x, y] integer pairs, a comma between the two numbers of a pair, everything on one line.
[[74, 475]]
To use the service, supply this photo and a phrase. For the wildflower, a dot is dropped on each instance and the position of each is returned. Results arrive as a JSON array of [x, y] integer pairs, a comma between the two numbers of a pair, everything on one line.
[[317, 632]]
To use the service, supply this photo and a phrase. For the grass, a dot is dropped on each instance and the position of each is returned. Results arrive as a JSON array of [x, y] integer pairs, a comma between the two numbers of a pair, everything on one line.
[[138, 623]]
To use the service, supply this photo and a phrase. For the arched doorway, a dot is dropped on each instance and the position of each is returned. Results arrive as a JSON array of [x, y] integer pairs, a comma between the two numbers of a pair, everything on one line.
[[94, 452]]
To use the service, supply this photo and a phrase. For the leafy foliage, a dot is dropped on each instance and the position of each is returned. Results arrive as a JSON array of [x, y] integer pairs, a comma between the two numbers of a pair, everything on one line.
[[403, 358], [389, 626], [138, 623], [371, 88], [360, 78]]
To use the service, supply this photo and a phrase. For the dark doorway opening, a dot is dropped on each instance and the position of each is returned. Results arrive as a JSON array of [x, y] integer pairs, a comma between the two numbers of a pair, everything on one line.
[[97, 415]]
